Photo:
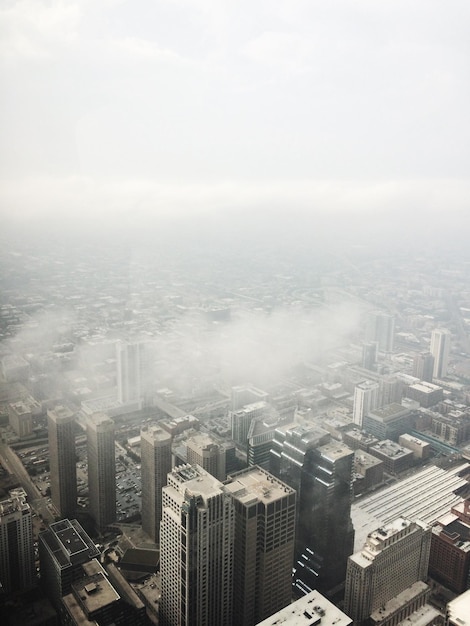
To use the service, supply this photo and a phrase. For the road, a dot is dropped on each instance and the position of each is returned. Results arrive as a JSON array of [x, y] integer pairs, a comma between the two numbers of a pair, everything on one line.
[[14, 466]]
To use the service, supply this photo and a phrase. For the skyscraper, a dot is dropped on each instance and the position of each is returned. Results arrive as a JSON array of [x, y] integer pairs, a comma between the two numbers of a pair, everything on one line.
[[381, 328], [369, 355], [101, 469], [196, 550], [394, 558], [134, 363], [63, 469], [155, 449], [366, 398], [264, 544], [423, 366], [16, 543], [440, 349], [204, 451], [321, 473]]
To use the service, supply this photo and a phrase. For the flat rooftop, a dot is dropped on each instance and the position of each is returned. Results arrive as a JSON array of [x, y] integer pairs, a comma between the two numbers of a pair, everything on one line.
[[312, 609], [335, 450], [257, 485], [391, 449], [425, 495]]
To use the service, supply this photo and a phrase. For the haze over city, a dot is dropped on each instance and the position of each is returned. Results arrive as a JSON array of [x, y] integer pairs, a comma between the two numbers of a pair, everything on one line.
[[234, 313]]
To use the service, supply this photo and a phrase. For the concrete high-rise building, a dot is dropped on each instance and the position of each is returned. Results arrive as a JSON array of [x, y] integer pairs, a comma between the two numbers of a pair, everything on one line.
[[16, 543], [155, 451], [134, 367], [381, 328], [440, 350], [62, 460], [393, 560], [204, 451], [369, 355], [423, 366], [241, 419], [63, 548], [366, 398], [265, 513], [101, 469], [21, 419], [321, 472], [196, 550]]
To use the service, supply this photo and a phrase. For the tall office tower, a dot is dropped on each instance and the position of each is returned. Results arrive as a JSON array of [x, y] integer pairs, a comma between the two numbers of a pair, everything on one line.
[[381, 328], [321, 473], [241, 419], [62, 459], [134, 367], [21, 419], [366, 398], [393, 560], [390, 390], [423, 366], [264, 544], [16, 543], [101, 469], [440, 349], [196, 550], [369, 355], [63, 548], [204, 451], [128, 371], [155, 450]]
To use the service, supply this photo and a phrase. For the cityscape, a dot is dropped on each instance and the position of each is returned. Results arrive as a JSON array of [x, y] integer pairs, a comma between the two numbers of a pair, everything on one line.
[[281, 446], [234, 313]]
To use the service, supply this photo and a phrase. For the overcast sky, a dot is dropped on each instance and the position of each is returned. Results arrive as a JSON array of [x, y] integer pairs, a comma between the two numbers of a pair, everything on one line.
[[157, 107]]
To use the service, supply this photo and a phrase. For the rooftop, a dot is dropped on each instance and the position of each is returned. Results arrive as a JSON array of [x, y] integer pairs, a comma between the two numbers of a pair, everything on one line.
[[312, 609], [425, 495], [256, 485]]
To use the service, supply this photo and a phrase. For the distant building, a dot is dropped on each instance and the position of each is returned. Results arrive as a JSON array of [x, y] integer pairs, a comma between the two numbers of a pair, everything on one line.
[[246, 394], [101, 469], [155, 451], [440, 350], [62, 460], [241, 419], [451, 428], [425, 393], [396, 458], [203, 450], [388, 422], [368, 471], [21, 419], [391, 566], [134, 362], [310, 610], [423, 366], [380, 327], [366, 398], [358, 439], [369, 355], [421, 449], [16, 544], [260, 438], [265, 513]]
